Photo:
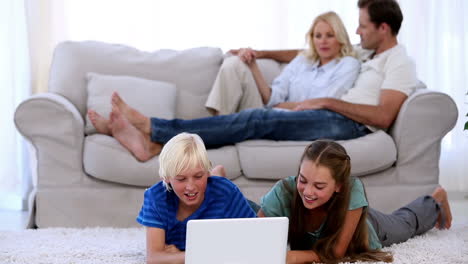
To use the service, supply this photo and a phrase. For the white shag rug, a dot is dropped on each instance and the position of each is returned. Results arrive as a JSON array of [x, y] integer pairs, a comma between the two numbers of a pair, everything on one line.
[[111, 245]]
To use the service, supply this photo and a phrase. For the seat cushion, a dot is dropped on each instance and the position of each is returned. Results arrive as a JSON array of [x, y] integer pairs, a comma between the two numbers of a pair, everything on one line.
[[106, 159], [266, 159]]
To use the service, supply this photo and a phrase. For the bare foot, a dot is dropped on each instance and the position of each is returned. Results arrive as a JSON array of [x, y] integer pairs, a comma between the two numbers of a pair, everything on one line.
[[136, 118], [440, 195], [132, 138], [219, 170], [100, 123]]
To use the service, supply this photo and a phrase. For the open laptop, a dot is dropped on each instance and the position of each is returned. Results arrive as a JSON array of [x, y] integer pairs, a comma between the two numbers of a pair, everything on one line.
[[237, 241]]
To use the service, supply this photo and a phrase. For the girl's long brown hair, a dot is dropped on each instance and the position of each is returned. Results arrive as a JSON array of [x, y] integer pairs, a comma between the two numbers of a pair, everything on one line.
[[334, 157]]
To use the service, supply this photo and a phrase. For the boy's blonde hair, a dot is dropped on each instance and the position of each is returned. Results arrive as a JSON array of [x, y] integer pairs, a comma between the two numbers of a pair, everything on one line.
[[181, 152], [335, 22]]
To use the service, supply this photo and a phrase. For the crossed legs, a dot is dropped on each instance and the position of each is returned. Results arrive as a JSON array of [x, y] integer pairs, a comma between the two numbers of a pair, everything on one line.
[[128, 126]]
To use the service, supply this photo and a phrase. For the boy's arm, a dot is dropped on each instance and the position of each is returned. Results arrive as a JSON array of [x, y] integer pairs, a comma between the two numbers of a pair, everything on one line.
[[157, 251]]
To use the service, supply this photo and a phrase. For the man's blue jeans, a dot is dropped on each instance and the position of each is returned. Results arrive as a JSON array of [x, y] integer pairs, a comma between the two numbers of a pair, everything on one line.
[[261, 124]]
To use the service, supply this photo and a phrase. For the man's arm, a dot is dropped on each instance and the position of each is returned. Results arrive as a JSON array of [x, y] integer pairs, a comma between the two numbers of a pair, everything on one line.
[[382, 115], [283, 56], [287, 105]]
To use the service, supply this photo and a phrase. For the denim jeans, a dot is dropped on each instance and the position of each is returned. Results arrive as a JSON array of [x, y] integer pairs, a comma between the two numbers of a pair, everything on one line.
[[258, 123]]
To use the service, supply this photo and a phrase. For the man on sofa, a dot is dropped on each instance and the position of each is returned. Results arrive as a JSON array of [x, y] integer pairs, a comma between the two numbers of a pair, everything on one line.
[[386, 79]]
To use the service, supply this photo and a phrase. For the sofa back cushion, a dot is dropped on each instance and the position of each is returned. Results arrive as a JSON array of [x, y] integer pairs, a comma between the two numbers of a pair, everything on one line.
[[193, 71]]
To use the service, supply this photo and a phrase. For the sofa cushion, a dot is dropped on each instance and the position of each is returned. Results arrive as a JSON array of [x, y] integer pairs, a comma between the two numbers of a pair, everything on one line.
[[149, 97], [193, 71], [266, 159], [104, 158]]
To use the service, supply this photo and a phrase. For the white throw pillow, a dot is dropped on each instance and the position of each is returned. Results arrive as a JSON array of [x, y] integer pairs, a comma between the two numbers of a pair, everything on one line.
[[151, 98]]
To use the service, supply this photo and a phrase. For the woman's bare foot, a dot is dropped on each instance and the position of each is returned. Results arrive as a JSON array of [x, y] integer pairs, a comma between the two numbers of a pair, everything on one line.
[[440, 195], [100, 123], [132, 138], [219, 170], [136, 118]]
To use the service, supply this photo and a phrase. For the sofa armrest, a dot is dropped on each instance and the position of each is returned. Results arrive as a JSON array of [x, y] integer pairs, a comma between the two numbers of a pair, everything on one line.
[[424, 119], [55, 128]]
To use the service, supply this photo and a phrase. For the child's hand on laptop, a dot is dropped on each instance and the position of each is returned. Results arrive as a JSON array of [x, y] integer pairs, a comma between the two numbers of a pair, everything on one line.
[[171, 249]]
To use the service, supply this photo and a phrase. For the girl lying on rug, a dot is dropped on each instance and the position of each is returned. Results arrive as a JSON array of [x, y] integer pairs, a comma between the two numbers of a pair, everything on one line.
[[186, 192], [329, 217]]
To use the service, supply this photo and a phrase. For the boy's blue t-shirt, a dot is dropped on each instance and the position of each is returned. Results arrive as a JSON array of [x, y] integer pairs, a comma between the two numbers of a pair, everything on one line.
[[277, 202], [223, 199]]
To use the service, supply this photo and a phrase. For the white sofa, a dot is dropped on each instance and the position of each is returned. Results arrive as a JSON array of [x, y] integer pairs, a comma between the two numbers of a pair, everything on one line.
[[93, 181]]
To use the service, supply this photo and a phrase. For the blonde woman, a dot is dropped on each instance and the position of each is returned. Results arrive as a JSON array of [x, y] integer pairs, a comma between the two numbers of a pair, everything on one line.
[[328, 68], [186, 192]]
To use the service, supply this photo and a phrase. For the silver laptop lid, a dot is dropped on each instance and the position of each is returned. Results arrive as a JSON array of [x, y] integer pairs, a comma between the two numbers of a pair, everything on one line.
[[237, 241]]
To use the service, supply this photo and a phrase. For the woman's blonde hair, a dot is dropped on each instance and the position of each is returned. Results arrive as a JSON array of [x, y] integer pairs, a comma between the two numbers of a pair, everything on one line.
[[332, 19], [181, 152]]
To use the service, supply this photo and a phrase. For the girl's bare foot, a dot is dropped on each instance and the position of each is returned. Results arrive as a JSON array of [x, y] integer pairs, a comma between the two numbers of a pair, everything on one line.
[[100, 123], [445, 216], [136, 118], [132, 138], [218, 170]]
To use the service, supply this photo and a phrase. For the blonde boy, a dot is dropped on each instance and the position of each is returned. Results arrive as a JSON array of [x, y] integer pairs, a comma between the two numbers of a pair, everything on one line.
[[186, 192]]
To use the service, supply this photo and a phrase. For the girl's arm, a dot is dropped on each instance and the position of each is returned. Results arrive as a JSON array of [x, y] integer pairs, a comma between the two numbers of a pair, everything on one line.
[[157, 251], [302, 256], [297, 256], [350, 223], [306, 256]]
